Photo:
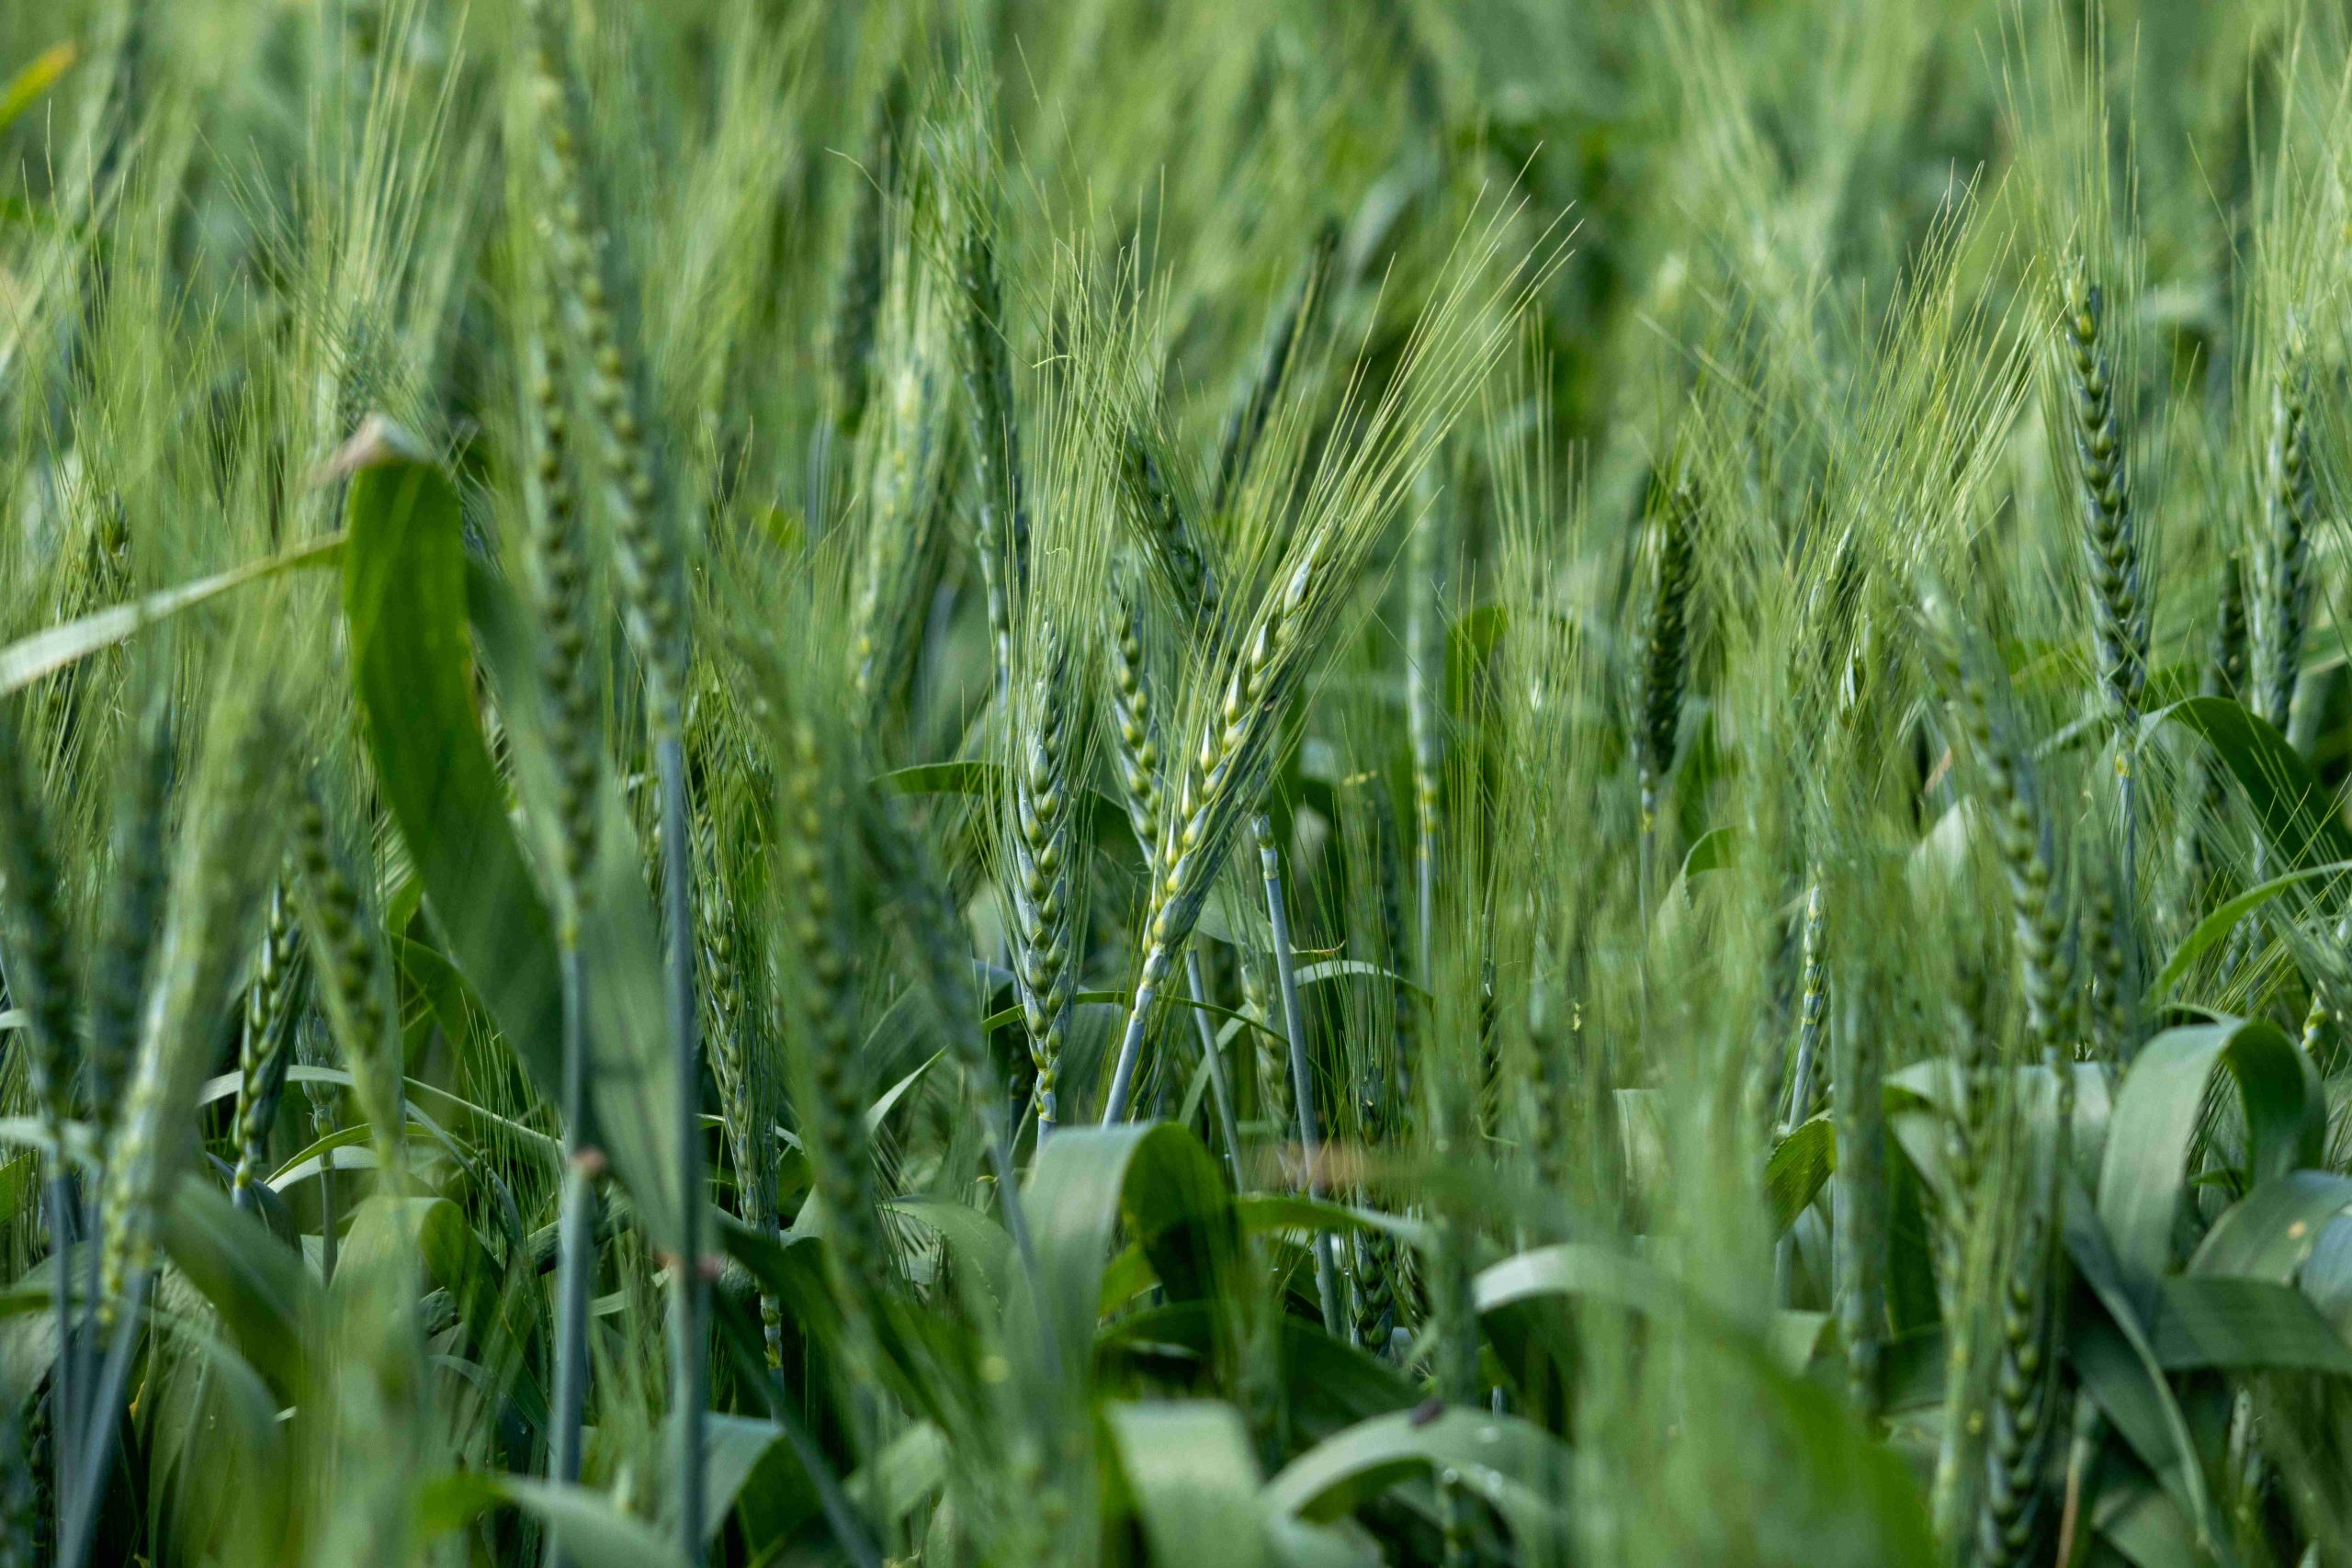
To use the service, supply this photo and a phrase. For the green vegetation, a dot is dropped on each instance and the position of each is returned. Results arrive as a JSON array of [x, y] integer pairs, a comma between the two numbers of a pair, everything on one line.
[[1226, 782]]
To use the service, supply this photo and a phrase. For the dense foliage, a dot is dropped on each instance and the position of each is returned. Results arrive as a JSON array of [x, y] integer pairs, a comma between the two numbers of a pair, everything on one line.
[[1241, 782]]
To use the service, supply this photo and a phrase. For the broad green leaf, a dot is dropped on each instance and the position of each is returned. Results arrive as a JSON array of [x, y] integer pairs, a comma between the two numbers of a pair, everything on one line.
[[2244, 1326], [1155, 1177], [405, 606], [1526, 1303], [1513, 1464], [1848, 1478], [1914, 1366], [449, 1001], [594, 1533], [225, 1419], [404, 598], [1800, 1166], [346, 1148], [1327, 1385], [879, 1112], [2135, 1406], [265, 1296], [1265, 1213], [2291, 806], [792, 1269], [733, 1448], [2144, 1524], [1798, 1339], [1295, 1543], [2327, 1275], [2269, 1233], [1261, 1213], [498, 1327], [910, 1469], [2145, 1175], [1194, 1478], [788, 1482], [1917, 1094], [2118, 1363], [1575, 1269], [632, 1081]]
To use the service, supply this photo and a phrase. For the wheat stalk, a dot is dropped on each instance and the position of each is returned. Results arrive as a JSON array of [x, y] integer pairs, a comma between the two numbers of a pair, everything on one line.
[[219, 883], [2112, 552], [831, 1101], [1223, 776], [2019, 830], [1244, 687], [1424, 681], [1813, 1009], [1301, 1071], [139, 878], [574, 729], [654, 599], [1136, 748], [1858, 1224], [351, 972], [33, 956]]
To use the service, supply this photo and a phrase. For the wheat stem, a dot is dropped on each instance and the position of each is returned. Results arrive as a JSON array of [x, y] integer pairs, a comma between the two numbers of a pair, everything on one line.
[[1220, 1087], [1423, 670], [1859, 1222], [80, 1525], [691, 1300], [1302, 1073], [575, 1236], [654, 600], [40, 983], [1813, 1012]]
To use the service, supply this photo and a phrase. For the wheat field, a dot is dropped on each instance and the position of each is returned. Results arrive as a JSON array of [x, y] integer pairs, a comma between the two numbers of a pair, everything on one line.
[[1245, 782]]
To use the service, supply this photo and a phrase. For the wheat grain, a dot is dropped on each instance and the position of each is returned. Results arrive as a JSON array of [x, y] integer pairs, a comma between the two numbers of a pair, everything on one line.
[[2289, 504], [262, 1054]]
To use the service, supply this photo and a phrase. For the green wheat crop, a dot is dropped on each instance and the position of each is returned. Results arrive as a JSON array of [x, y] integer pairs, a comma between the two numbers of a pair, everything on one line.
[[1246, 782]]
